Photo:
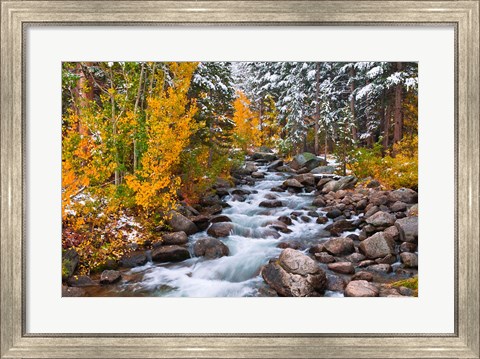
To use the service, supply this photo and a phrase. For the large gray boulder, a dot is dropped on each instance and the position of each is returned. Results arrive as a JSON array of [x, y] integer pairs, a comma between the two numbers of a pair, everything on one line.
[[220, 229], [264, 156], [377, 246], [133, 259], [180, 223], [300, 160], [210, 248], [295, 275], [407, 229], [177, 238], [347, 182], [170, 254], [409, 260]]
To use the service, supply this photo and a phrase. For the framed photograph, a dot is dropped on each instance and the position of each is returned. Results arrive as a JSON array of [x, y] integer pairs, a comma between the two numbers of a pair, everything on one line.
[[240, 179]]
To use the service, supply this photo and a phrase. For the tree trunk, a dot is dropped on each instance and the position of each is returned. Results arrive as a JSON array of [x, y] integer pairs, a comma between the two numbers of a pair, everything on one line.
[[316, 144], [352, 104], [398, 115], [85, 94], [137, 100], [386, 127]]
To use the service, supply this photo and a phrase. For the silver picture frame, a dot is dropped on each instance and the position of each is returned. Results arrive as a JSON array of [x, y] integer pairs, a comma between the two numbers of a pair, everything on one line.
[[16, 16]]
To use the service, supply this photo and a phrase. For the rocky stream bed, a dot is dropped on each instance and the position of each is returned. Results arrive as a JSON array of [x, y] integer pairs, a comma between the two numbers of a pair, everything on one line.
[[292, 229]]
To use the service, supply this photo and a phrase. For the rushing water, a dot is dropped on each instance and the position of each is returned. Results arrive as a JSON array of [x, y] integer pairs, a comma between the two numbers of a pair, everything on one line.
[[250, 245]]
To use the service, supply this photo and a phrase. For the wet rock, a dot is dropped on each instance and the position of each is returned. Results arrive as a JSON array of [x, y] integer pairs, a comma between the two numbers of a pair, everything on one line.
[[180, 223], [258, 175], [134, 259], [409, 260], [295, 275], [381, 219], [323, 170], [269, 232], [340, 226], [274, 165], [80, 281], [293, 245], [363, 275], [279, 226], [306, 219], [210, 248], [353, 236], [407, 229], [317, 248], [342, 267], [201, 221], [264, 156], [241, 192], [221, 229], [271, 204], [377, 246], [170, 254], [335, 283], [178, 238], [110, 277], [339, 246], [380, 268], [405, 195], [270, 196], [334, 213], [313, 214], [285, 219], [322, 220], [69, 263], [285, 169], [72, 291], [361, 288], [277, 189], [324, 257], [408, 247], [293, 183], [220, 218]]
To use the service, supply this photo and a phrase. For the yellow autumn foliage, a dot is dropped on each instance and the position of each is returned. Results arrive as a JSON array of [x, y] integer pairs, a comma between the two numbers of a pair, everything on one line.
[[169, 125], [247, 125]]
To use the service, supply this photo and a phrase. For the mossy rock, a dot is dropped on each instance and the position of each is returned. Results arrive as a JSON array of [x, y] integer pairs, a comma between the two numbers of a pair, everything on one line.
[[410, 283], [109, 264], [69, 263]]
